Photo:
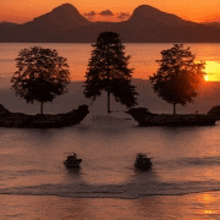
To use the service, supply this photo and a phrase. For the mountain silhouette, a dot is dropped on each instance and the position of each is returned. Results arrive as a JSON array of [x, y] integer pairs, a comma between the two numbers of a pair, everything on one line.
[[148, 15], [5, 26], [63, 17], [147, 24], [46, 27], [213, 24], [8, 24]]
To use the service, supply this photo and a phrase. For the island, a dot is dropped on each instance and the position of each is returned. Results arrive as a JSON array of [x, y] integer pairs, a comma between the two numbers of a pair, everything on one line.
[[146, 118], [21, 120]]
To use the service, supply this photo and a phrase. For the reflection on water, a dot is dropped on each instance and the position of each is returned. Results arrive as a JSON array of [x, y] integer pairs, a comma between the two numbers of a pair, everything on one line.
[[156, 207], [207, 205], [185, 160]]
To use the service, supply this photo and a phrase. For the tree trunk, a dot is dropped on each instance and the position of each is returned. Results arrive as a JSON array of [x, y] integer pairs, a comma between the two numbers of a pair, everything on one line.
[[174, 108], [108, 75], [108, 102], [41, 108]]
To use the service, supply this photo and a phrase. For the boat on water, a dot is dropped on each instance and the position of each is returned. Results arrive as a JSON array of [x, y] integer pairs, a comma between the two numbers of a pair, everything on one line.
[[142, 162], [72, 161]]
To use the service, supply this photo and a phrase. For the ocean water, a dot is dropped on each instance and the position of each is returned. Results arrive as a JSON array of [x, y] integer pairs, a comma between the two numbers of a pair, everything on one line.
[[143, 57], [185, 160]]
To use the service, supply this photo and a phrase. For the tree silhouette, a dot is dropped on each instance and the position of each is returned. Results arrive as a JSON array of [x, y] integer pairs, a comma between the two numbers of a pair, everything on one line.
[[42, 75], [108, 71], [178, 76]]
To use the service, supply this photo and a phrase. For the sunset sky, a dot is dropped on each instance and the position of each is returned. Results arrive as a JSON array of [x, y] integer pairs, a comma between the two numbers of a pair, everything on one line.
[[25, 10]]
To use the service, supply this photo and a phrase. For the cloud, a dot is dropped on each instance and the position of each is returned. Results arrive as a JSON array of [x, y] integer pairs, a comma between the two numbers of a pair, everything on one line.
[[106, 13], [90, 14], [123, 16]]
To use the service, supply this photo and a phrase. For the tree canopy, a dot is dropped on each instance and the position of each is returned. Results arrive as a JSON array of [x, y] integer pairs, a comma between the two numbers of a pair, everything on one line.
[[42, 75], [108, 71], [178, 76]]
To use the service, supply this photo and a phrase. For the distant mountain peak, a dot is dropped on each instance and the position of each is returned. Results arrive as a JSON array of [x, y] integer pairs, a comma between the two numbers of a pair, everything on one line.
[[147, 12], [65, 16], [144, 8], [67, 4], [67, 7]]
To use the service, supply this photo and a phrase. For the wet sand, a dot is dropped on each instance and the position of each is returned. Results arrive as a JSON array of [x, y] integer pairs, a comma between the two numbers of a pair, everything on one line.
[[193, 206]]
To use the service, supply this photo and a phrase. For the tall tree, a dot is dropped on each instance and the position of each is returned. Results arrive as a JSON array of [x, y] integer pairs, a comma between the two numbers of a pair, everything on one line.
[[108, 71], [42, 75], [178, 76]]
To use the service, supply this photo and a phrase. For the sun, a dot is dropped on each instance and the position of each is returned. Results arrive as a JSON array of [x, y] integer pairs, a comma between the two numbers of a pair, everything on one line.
[[206, 77], [212, 69]]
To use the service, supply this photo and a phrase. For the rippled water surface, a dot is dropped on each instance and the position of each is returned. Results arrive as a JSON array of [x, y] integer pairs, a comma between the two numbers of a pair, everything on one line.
[[184, 181], [185, 160]]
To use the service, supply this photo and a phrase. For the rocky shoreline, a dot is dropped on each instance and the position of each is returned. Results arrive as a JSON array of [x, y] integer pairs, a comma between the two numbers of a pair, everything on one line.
[[20, 120], [145, 118]]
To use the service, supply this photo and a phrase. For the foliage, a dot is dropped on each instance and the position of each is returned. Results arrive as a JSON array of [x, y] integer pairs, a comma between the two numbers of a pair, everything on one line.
[[178, 76], [42, 75], [215, 111], [139, 111], [108, 71]]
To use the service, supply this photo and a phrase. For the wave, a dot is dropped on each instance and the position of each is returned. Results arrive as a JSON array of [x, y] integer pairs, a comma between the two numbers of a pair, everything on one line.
[[205, 161], [140, 184], [192, 161], [127, 191]]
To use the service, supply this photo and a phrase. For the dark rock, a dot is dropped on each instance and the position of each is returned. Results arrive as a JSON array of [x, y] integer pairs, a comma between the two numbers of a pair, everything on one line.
[[145, 118], [20, 120], [3, 110]]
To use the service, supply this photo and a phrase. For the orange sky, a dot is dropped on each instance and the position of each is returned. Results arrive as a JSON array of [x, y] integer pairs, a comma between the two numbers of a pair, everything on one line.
[[24, 10]]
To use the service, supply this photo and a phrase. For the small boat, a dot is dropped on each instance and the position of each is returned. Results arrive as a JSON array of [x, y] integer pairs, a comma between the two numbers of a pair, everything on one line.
[[142, 162], [72, 161]]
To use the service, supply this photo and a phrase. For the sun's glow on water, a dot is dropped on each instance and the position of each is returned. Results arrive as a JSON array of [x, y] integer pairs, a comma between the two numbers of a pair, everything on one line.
[[206, 200], [212, 69], [208, 212]]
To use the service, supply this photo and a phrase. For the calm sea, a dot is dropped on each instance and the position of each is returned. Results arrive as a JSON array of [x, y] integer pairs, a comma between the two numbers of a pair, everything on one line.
[[185, 160], [143, 56]]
